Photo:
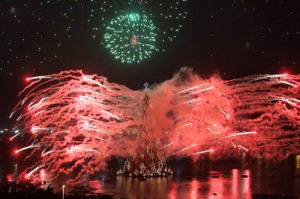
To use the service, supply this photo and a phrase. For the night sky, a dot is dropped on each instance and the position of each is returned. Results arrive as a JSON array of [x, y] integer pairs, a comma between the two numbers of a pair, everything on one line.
[[233, 37]]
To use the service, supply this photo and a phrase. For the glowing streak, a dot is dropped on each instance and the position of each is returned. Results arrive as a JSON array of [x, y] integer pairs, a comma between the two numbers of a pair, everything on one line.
[[34, 129], [238, 146], [30, 104], [79, 148], [287, 100], [88, 125], [19, 117], [34, 170], [90, 150], [12, 113], [288, 83], [192, 88], [220, 94], [185, 148], [167, 145], [112, 115], [28, 147], [101, 139], [93, 128], [38, 113], [227, 116], [213, 124], [39, 77], [24, 100], [37, 104], [89, 100], [88, 118], [213, 132], [188, 124], [15, 136], [275, 76], [95, 82], [210, 130], [201, 152], [201, 91], [48, 152], [233, 144], [242, 148], [242, 133], [294, 99], [97, 93], [190, 101], [266, 77]]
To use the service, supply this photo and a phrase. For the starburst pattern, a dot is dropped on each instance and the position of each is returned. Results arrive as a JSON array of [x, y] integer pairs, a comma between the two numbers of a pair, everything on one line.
[[134, 29], [130, 38]]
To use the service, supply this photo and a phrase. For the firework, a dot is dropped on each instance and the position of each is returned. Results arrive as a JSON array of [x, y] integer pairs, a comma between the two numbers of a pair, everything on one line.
[[130, 38], [134, 29], [76, 121]]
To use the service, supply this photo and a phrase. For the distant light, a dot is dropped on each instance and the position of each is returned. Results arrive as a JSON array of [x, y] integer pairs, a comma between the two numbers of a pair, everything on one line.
[[285, 73], [12, 11], [27, 78]]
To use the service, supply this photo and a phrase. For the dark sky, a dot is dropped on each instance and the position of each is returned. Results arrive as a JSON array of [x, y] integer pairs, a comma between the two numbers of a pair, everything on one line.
[[234, 37]]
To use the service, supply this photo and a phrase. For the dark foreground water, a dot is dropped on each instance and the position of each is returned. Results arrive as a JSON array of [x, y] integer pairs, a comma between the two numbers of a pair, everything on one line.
[[218, 180], [227, 180]]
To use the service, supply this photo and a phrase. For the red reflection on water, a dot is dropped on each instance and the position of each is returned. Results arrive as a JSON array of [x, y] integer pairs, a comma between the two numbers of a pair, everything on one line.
[[194, 189], [173, 191], [246, 184], [216, 189], [241, 184], [298, 161], [235, 183]]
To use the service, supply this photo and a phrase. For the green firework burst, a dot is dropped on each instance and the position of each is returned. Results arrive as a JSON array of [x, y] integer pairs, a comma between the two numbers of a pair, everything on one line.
[[131, 37], [167, 16]]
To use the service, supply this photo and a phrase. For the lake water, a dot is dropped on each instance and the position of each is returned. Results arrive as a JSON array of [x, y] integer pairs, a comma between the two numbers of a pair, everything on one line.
[[218, 180]]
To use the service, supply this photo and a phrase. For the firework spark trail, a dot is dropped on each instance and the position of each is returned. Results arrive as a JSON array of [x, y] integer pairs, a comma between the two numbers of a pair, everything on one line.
[[48, 152], [54, 110], [167, 145], [288, 83], [16, 135], [28, 147], [76, 121], [192, 88], [268, 105], [185, 148], [201, 152], [34, 170], [239, 134], [242, 148], [38, 78], [200, 91]]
